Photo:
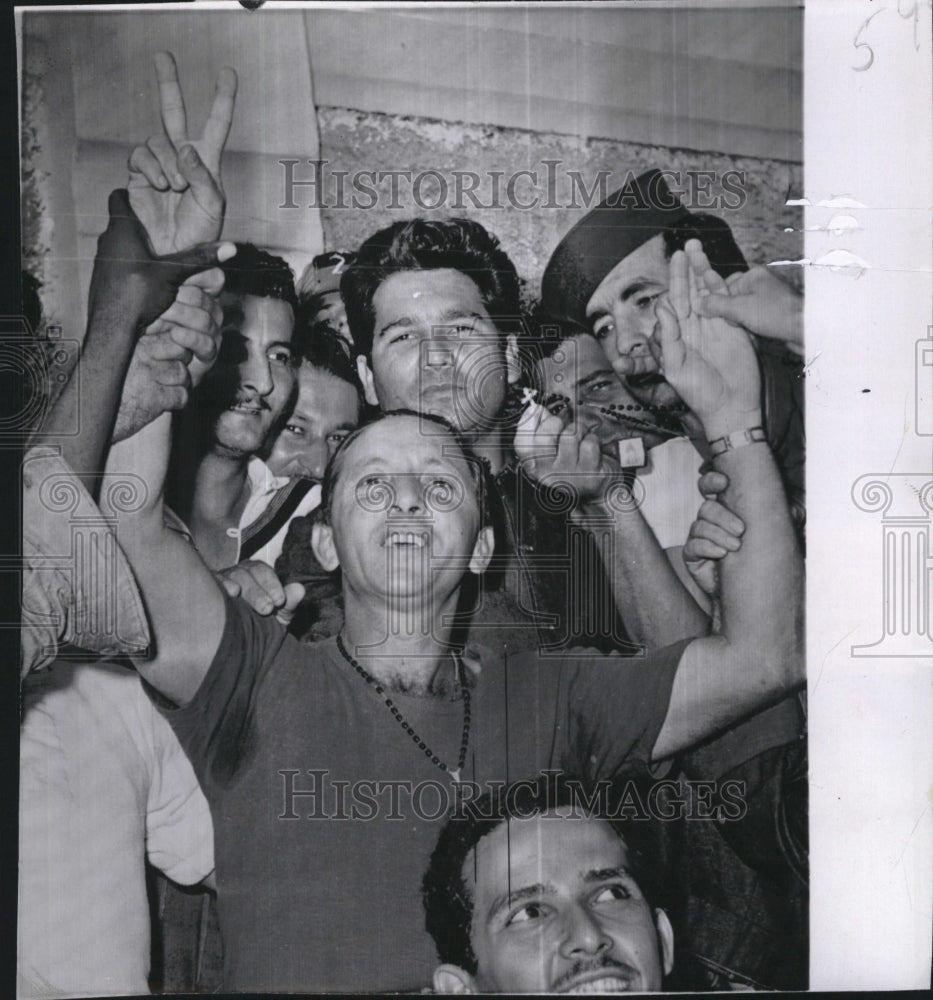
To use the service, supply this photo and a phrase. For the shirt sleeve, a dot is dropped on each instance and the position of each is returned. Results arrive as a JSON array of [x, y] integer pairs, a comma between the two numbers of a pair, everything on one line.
[[614, 708], [78, 588], [216, 728], [179, 832]]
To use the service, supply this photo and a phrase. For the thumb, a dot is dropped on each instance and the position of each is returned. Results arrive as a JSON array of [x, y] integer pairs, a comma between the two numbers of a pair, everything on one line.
[[725, 307], [713, 483], [118, 205], [210, 281], [199, 258], [123, 225], [294, 592]]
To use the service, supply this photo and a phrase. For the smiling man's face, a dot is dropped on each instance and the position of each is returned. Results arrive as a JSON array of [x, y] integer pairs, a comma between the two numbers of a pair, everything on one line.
[[556, 910], [405, 519], [622, 314], [580, 385], [252, 381]]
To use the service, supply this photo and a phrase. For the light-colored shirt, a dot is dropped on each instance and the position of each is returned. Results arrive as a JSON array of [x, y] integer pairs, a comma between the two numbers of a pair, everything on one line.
[[263, 486], [672, 498], [77, 584], [104, 784]]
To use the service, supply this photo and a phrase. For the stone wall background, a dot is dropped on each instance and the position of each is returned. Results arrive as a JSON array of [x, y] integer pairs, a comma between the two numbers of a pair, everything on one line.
[[483, 88], [766, 228]]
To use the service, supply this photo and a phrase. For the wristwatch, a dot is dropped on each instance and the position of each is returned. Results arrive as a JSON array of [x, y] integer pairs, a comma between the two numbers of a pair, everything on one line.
[[737, 439]]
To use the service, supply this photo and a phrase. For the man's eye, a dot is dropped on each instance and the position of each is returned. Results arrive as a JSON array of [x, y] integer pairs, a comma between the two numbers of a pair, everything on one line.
[[612, 892], [373, 481], [280, 355], [602, 329], [599, 388], [556, 404], [527, 913], [294, 429], [400, 338], [336, 439], [460, 329], [647, 301]]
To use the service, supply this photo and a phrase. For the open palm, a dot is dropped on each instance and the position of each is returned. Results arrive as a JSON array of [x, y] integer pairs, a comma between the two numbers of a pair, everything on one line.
[[710, 362], [175, 184]]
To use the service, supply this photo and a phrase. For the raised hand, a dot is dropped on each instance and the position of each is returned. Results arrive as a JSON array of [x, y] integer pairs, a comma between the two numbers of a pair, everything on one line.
[[562, 457], [761, 302], [710, 362], [172, 355], [257, 584], [175, 183], [715, 532], [127, 277]]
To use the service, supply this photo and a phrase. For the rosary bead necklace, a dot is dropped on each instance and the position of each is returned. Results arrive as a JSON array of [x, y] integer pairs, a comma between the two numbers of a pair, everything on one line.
[[400, 719]]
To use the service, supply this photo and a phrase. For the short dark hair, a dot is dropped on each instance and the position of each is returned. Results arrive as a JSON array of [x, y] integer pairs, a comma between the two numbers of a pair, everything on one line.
[[714, 233], [542, 336], [256, 272], [448, 901], [430, 245], [320, 348], [479, 467]]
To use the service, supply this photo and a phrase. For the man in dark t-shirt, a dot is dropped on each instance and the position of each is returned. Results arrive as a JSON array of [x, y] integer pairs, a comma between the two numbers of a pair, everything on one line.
[[327, 767]]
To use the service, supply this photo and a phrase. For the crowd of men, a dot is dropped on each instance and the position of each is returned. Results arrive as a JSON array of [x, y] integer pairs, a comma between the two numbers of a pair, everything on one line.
[[449, 643]]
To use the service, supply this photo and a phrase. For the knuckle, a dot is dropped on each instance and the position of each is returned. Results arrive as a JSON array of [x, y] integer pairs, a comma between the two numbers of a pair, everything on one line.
[[176, 398]]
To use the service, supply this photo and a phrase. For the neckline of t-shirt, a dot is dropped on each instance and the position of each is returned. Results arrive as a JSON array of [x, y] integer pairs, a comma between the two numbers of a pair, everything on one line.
[[414, 703]]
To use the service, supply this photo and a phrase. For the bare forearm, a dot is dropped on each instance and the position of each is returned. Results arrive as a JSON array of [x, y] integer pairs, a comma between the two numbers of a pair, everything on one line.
[[653, 603], [762, 583], [92, 395], [185, 604]]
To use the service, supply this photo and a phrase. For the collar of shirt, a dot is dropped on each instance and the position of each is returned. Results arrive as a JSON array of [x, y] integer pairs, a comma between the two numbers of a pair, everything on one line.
[[262, 485]]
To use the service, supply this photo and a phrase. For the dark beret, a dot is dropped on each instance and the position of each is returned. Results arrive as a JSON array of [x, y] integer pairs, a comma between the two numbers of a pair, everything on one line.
[[629, 217]]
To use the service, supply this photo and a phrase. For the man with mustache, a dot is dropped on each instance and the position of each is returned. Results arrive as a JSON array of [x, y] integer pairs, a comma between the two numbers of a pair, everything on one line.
[[537, 888], [218, 479], [609, 275], [613, 267], [579, 387], [275, 729], [435, 313]]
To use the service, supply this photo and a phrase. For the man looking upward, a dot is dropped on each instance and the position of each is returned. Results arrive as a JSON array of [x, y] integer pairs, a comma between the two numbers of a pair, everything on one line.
[[287, 738]]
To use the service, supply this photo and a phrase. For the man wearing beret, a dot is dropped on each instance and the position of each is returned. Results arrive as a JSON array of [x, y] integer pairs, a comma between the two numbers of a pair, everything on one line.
[[612, 267], [609, 273]]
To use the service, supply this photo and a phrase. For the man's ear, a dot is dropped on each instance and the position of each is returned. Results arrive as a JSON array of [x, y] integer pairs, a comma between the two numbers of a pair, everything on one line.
[[512, 366], [482, 550], [322, 545], [366, 377], [665, 939], [453, 979]]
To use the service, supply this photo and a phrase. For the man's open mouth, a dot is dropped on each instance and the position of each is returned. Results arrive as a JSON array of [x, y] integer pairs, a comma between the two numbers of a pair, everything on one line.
[[606, 976], [254, 408], [605, 983], [416, 540]]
